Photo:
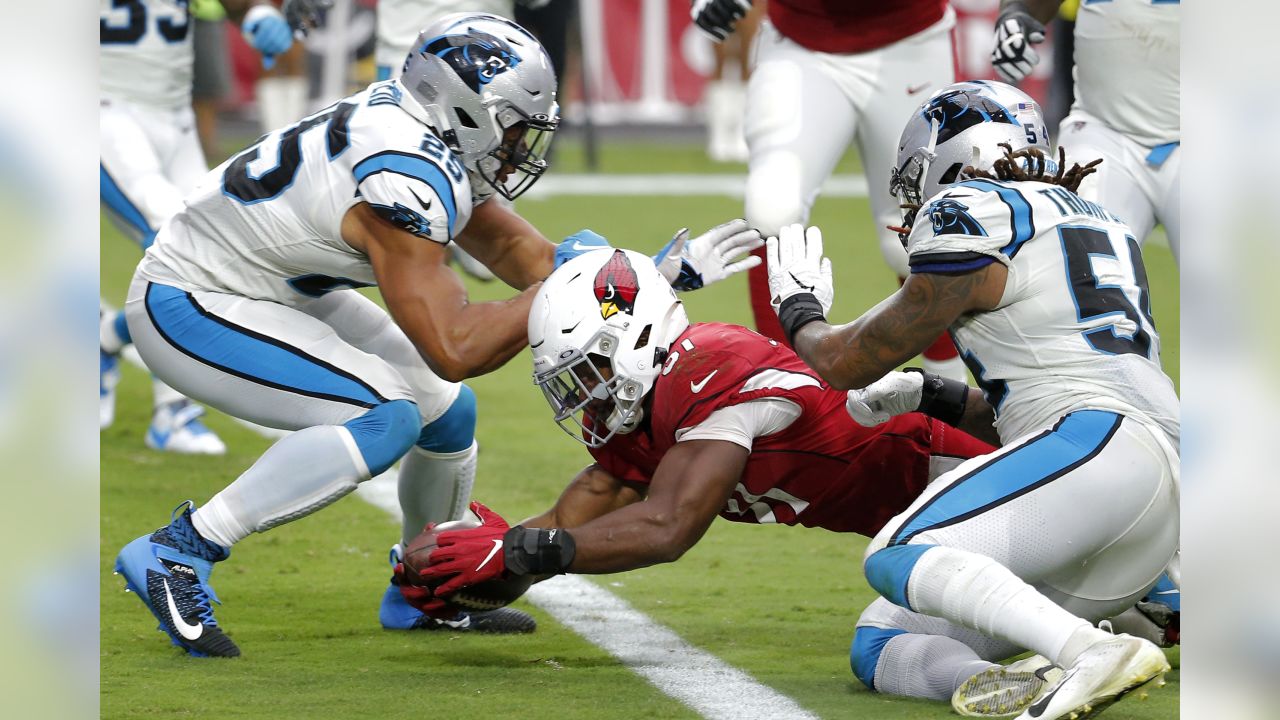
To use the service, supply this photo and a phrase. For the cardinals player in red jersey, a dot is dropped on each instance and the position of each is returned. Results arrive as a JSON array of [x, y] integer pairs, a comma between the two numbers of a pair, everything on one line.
[[696, 420], [826, 74]]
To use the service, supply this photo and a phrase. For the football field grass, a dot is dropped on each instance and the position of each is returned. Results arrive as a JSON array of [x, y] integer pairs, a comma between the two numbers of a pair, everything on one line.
[[301, 600]]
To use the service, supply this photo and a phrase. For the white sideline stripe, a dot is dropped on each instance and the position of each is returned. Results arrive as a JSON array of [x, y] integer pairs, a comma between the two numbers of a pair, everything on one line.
[[845, 186], [712, 687]]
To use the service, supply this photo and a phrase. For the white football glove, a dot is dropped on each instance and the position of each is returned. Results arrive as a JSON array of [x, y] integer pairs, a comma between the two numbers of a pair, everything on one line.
[[796, 265], [894, 394], [1016, 31], [710, 257]]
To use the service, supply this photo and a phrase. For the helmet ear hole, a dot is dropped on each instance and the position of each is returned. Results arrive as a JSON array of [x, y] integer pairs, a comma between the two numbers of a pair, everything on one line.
[[644, 336], [950, 175], [464, 119]]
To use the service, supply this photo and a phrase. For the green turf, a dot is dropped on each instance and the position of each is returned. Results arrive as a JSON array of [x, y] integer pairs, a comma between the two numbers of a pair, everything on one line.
[[301, 600]]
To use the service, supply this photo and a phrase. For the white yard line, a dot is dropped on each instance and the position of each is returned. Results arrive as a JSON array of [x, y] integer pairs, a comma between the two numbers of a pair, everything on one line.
[[713, 688], [675, 184]]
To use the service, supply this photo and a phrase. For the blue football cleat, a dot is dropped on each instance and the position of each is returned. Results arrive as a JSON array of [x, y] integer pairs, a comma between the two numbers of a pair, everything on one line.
[[108, 376], [169, 570], [395, 613], [176, 427]]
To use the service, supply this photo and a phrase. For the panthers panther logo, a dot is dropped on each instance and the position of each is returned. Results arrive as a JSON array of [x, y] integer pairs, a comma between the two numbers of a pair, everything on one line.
[[477, 57], [951, 217], [959, 110]]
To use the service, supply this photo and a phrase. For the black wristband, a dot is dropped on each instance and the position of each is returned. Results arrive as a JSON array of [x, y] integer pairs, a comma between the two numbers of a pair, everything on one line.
[[797, 311], [942, 398], [534, 551]]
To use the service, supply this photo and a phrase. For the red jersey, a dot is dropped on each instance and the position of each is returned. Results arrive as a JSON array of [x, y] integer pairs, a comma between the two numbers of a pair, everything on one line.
[[852, 26], [823, 470]]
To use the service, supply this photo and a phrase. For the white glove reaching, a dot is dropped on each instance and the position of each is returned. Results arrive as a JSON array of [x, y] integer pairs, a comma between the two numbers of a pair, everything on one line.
[[894, 394], [710, 257], [1016, 31], [796, 266]]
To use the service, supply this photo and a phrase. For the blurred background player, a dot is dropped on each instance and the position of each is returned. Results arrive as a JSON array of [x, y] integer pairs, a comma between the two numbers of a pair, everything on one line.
[[1130, 118], [828, 74], [724, 98], [247, 301], [1046, 295], [151, 157]]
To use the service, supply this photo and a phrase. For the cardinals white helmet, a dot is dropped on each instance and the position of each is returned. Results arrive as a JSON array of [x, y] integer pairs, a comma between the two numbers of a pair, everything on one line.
[[600, 329]]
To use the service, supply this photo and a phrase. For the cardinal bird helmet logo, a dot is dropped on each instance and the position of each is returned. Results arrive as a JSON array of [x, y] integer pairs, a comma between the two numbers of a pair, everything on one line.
[[616, 286]]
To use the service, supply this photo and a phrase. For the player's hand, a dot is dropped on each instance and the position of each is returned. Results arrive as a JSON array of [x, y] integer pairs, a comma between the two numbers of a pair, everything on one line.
[[892, 395], [717, 18], [1016, 31], [266, 31], [710, 257], [303, 15], [419, 596], [470, 556], [796, 267], [578, 243]]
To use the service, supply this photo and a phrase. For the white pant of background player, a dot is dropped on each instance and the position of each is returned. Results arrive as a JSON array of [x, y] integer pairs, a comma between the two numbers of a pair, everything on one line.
[[1140, 184], [1085, 512], [337, 369], [804, 108]]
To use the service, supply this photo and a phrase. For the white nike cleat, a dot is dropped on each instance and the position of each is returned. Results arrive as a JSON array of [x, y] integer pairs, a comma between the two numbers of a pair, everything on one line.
[[176, 427], [1103, 674], [1006, 690]]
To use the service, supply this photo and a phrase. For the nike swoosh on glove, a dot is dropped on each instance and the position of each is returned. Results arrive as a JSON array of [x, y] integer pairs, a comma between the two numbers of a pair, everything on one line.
[[709, 258], [468, 557], [1013, 56], [578, 243], [796, 266]]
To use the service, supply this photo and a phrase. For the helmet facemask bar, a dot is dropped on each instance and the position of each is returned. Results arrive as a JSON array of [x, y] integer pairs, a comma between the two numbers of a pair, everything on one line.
[[521, 156], [579, 394], [907, 182]]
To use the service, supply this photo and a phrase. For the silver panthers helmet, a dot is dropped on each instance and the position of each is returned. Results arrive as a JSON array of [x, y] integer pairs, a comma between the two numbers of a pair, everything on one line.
[[490, 91], [962, 125]]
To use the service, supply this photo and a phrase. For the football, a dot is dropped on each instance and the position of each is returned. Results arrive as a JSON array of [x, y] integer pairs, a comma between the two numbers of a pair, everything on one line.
[[488, 595]]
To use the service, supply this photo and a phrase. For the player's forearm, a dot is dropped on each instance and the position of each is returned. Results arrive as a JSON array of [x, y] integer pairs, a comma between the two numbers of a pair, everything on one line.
[[851, 356], [979, 418], [1042, 10], [508, 245], [636, 536]]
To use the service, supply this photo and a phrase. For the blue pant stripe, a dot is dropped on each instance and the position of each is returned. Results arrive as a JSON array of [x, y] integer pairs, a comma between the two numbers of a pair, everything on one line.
[[120, 204], [455, 430], [385, 433], [864, 652], [239, 351], [1077, 438], [889, 569]]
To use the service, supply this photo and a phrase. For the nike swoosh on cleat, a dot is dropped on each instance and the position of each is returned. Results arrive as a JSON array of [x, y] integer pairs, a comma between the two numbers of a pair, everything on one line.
[[497, 545], [1038, 707], [185, 629], [696, 387]]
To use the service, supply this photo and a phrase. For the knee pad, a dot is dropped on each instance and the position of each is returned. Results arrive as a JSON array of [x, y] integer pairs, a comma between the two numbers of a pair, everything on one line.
[[864, 652], [889, 569], [455, 430], [385, 433]]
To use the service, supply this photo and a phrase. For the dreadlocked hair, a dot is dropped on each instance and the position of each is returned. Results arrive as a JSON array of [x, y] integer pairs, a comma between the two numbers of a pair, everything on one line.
[[1031, 164]]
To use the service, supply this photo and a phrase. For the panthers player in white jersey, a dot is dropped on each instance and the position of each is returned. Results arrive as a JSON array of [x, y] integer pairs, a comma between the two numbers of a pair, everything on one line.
[[1076, 516], [246, 302], [1126, 100], [151, 157]]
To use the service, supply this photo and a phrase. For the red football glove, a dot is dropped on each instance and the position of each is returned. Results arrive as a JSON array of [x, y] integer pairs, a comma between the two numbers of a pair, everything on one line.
[[471, 556], [421, 597]]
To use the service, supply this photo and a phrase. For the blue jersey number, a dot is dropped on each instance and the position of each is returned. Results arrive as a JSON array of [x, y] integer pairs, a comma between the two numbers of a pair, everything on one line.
[[1093, 300], [239, 183], [173, 29]]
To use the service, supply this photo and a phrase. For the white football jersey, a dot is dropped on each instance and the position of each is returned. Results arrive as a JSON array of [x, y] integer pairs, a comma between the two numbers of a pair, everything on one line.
[[145, 52], [266, 224], [1126, 73], [1073, 330], [400, 21]]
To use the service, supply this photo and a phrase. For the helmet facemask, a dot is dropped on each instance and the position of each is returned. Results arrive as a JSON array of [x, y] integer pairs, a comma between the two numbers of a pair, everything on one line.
[[579, 393], [520, 158]]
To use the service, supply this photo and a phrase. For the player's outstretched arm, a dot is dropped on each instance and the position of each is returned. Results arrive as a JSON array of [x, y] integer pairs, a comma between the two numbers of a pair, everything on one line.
[[899, 328], [593, 493], [507, 244], [458, 339]]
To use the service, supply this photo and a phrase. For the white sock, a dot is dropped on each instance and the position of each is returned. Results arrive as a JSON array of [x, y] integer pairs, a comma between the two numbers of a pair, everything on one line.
[[281, 101], [434, 487], [297, 476], [979, 593], [926, 666]]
